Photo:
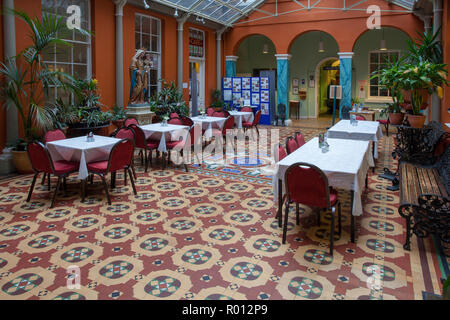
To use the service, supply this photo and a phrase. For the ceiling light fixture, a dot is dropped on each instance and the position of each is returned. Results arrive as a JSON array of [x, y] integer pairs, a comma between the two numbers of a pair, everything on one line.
[[146, 5], [321, 49], [202, 20], [176, 13], [265, 48]]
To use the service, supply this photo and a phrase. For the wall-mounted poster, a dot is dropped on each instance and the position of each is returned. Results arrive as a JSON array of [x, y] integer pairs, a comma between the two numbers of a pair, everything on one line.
[[227, 95], [264, 95], [265, 83], [246, 84], [236, 97], [264, 108], [255, 99], [295, 90], [227, 83], [255, 84], [246, 94], [294, 82], [236, 85]]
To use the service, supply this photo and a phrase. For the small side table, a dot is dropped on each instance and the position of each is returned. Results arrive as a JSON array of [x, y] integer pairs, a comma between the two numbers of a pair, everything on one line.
[[294, 105]]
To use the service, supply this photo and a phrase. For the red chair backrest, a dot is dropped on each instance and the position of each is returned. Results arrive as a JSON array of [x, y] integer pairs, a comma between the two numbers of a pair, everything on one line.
[[174, 115], [228, 125], [39, 157], [54, 135], [360, 118], [257, 117], [300, 139], [139, 137], [210, 111], [175, 121], [246, 109], [187, 121], [279, 152], [291, 145], [308, 185], [125, 133], [129, 121], [219, 114], [121, 155]]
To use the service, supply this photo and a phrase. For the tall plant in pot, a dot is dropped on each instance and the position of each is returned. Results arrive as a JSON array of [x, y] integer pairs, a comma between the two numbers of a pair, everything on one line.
[[26, 79], [389, 77]]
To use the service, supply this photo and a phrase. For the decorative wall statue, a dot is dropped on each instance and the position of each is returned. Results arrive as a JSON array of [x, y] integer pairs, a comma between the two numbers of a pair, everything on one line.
[[139, 78]]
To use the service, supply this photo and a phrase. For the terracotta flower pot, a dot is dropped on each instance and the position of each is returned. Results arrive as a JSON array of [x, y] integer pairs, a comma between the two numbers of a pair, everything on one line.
[[396, 118], [416, 121], [22, 162], [118, 123]]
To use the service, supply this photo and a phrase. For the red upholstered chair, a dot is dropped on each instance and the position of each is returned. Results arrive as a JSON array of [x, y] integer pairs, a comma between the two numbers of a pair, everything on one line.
[[141, 143], [176, 121], [279, 152], [174, 115], [126, 133], [187, 121], [306, 184], [299, 138], [246, 109], [254, 123], [221, 114], [121, 157], [291, 145], [180, 144], [41, 161], [210, 111], [360, 118], [52, 135], [385, 123], [129, 121]]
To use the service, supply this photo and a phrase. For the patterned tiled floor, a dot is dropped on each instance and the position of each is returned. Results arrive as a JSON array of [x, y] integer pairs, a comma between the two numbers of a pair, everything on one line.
[[206, 234]]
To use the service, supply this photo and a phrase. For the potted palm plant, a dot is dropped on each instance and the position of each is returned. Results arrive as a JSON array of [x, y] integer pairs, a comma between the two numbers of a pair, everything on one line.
[[118, 116], [26, 79]]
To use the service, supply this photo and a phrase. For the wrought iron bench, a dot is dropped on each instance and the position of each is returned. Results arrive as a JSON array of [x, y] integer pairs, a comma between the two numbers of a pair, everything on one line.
[[424, 199]]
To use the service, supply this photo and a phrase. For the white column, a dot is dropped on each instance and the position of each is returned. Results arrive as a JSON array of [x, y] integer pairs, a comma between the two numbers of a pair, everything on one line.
[[119, 51], [219, 58], [180, 54]]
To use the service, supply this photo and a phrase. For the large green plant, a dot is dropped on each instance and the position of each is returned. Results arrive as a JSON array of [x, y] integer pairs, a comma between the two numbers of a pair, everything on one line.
[[169, 99], [425, 48], [26, 79]]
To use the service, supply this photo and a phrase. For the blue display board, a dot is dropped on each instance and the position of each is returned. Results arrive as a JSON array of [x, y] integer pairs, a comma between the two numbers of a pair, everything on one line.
[[254, 90]]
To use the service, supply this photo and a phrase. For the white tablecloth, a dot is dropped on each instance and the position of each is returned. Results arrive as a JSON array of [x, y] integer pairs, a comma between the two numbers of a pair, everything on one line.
[[78, 149], [345, 164], [239, 115], [158, 132], [208, 123], [365, 131]]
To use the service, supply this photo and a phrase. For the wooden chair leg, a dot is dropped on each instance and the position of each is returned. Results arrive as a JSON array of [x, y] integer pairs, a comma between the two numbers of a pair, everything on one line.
[[106, 188], [134, 172], [286, 213], [32, 186], [145, 160], [43, 179], [297, 213], [339, 219], [56, 191], [124, 177], [65, 184], [48, 181], [142, 156], [83, 190], [91, 178], [318, 217], [333, 209], [132, 182]]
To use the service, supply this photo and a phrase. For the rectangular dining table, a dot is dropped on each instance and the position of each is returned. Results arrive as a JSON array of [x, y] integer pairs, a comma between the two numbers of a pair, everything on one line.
[[364, 131], [79, 150], [208, 123], [163, 133], [345, 165], [240, 116]]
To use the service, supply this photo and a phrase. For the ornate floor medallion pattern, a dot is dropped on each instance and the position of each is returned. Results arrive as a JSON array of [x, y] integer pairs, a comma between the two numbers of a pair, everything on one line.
[[207, 234]]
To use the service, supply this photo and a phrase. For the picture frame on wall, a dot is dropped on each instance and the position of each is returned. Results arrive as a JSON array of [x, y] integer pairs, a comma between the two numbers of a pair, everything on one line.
[[227, 83], [295, 90], [294, 82]]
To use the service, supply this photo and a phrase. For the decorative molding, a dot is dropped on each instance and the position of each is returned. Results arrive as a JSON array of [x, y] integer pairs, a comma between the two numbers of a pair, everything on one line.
[[231, 58], [283, 56], [344, 55]]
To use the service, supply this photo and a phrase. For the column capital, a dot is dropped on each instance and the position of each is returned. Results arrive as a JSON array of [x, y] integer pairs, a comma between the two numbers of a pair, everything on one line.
[[231, 58], [343, 55], [220, 32], [119, 6], [283, 56]]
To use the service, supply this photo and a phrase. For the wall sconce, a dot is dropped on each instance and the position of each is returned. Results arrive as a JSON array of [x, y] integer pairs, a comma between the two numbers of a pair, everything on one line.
[[383, 46]]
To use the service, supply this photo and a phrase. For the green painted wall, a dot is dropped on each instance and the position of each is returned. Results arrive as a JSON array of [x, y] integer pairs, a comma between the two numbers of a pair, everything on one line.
[[305, 58]]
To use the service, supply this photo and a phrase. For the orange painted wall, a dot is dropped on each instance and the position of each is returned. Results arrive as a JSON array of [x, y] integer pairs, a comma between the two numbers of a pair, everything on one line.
[[345, 27], [445, 116]]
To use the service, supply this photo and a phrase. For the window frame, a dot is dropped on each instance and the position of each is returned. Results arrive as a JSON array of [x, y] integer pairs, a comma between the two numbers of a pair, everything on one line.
[[160, 56], [204, 45], [72, 64], [376, 98]]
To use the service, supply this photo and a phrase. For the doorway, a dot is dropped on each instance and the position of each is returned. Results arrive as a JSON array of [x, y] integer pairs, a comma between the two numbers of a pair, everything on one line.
[[327, 73], [197, 67]]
